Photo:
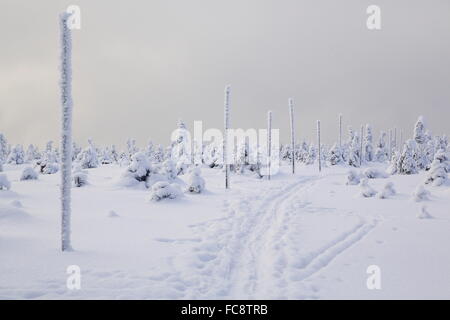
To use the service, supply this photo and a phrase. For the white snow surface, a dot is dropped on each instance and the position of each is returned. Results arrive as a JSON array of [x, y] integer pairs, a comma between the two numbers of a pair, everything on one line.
[[302, 236]]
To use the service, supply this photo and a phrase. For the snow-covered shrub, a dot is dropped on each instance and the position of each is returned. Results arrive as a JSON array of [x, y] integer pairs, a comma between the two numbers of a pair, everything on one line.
[[372, 173], [366, 190], [88, 157], [388, 191], [79, 176], [29, 174], [17, 155], [311, 155], [424, 214], [113, 214], [168, 169], [196, 184], [392, 169], [353, 178], [139, 170], [181, 167], [47, 167], [163, 189], [4, 182], [420, 194], [437, 175]]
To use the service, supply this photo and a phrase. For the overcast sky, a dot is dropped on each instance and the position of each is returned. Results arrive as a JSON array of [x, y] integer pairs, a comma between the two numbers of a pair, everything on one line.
[[138, 66]]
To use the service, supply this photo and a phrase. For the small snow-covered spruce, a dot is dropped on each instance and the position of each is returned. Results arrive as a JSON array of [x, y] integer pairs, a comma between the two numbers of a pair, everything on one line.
[[3, 148], [31, 154], [406, 163], [139, 170], [381, 153], [421, 138], [420, 194], [423, 213], [368, 140], [88, 157], [28, 174], [4, 182], [366, 190], [17, 155], [354, 152], [372, 173], [164, 190], [335, 155], [79, 176], [388, 191], [437, 175], [196, 184], [353, 178], [311, 155], [169, 170]]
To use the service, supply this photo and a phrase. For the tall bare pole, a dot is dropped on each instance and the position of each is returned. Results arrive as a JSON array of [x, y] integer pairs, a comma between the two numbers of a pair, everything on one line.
[[66, 132], [291, 115], [269, 141], [225, 135], [340, 131], [390, 145], [319, 145], [361, 146]]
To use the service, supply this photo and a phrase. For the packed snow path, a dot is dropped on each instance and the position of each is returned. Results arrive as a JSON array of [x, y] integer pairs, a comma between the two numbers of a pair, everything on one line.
[[307, 236]]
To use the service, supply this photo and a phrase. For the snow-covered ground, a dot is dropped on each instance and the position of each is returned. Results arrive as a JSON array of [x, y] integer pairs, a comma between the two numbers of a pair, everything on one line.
[[308, 236]]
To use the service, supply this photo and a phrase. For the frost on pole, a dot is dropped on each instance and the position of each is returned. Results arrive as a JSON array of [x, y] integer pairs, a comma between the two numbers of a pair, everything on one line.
[[66, 136], [225, 136], [291, 115], [269, 141], [318, 143]]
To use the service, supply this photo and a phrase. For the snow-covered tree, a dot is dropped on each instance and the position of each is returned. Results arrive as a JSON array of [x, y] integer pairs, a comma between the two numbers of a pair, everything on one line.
[[158, 155], [75, 151], [335, 155], [139, 170], [17, 155], [420, 137], [131, 148], [311, 156], [80, 176], [28, 174], [88, 158], [437, 175], [169, 170], [3, 148], [32, 154], [150, 152], [406, 163], [354, 152], [381, 152], [196, 184], [368, 147]]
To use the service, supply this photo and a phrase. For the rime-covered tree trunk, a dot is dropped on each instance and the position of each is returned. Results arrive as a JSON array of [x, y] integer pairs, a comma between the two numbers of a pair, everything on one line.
[[340, 131], [318, 143], [66, 136], [361, 146], [269, 141], [225, 136], [291, 115], [395, 139]]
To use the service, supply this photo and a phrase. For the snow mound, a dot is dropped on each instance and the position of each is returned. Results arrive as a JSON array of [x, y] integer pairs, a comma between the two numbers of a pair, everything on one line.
[[388, 191], [366, 190], [353, 178], [28, 174], [373, 173], [163, 189], [424, 214], [196, 184], [12, 212], [113, 214], [421, 194], [4, 182]]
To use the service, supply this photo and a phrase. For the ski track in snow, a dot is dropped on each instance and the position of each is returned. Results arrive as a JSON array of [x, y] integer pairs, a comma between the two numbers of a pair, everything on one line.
[[243, 256]]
